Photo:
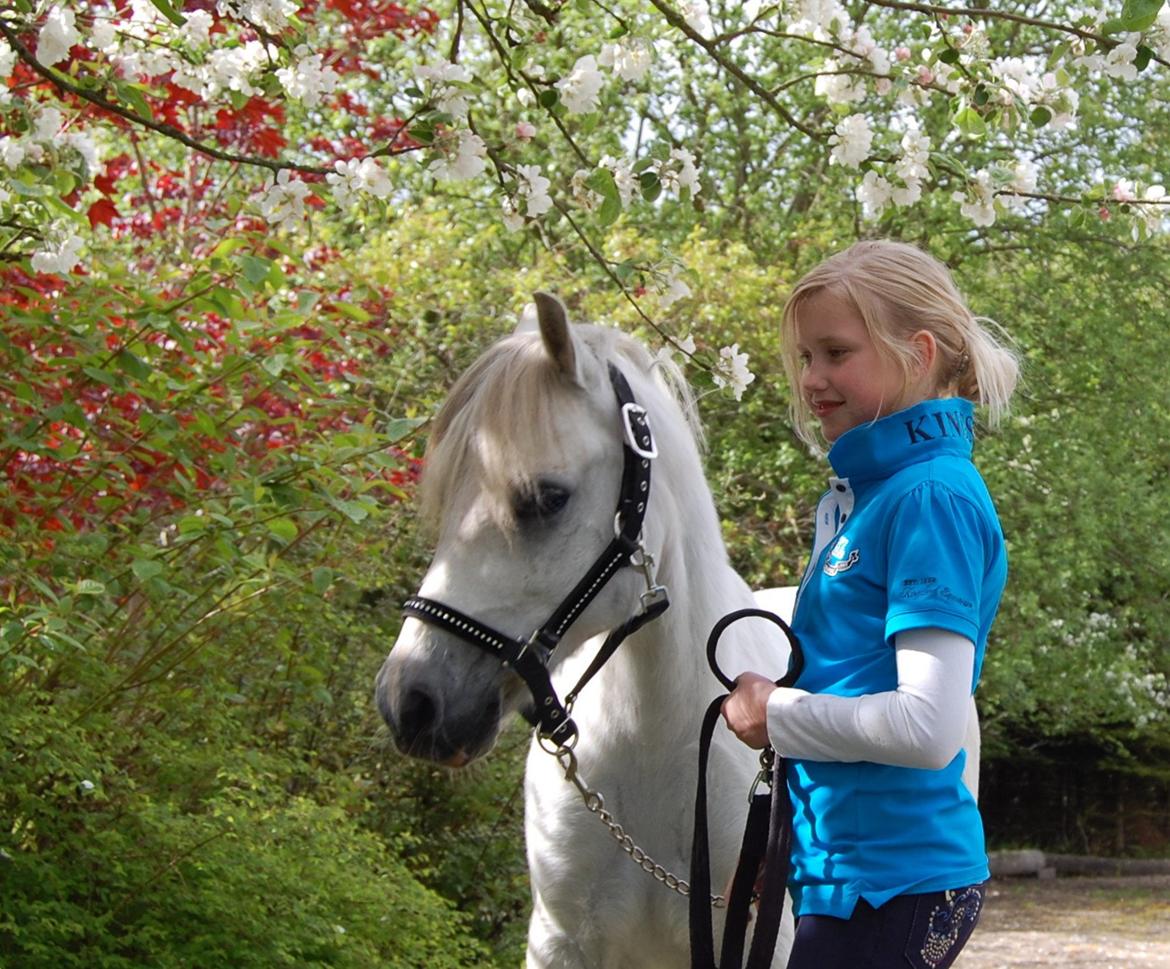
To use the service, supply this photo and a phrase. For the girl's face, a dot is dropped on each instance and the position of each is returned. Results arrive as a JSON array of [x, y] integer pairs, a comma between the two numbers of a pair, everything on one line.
[[843, 378]]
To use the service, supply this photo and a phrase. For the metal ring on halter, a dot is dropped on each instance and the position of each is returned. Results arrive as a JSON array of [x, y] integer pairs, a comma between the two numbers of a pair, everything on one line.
[[630, 411]]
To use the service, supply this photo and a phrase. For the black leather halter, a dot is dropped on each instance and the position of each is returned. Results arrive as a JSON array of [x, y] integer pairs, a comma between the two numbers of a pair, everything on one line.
[[529, 657]]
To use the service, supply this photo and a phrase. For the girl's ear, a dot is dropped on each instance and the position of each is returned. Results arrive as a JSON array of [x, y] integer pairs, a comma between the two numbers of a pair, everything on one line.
[[925, 352]]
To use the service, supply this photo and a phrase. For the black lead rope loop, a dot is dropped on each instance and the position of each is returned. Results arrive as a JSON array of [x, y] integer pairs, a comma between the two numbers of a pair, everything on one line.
[[767, 837], [795, 660]]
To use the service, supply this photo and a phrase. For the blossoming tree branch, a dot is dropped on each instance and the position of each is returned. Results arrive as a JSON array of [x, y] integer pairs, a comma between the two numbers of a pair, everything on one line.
[[566, 118]]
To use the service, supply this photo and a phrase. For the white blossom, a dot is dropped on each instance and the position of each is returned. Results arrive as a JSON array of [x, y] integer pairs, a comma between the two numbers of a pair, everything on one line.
[[907, 194], [513, 220], [234, 68], [816, 17], [685, 345], [679, 172], [84, 144], [352, 177], [624, 178], [306, 79], [197, 30], [103, 36], [629, 58], [7, 60], [913, 165], [445, 78], [12, 152], [1159, 36], [697, 14], [978, 204], [283, 204], [60, 257], [672, 288], [464, 156], [583, 195], [838, 88], [272, 15], [57, 35], [1153, 216], [733, 371], [1119, 62], [48, 124], [581, 87], [875, 194], [533, 188], [851, 141]]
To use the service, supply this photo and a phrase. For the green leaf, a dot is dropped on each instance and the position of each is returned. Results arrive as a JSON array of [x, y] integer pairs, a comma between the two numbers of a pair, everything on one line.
[[1144, 56], [191, 524], [169, 12], [144, 569], [549, 97], [970, 123], [1040, 116], [949, 56], [256, 268], [322, 579], [276, 363], [651, 185], [400, 427], [89, 587], [603, 183], [1139, 14], [283, 528], [133, 364]]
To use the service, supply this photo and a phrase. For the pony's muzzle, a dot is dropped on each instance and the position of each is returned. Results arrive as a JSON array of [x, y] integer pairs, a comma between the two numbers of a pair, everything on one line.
[[432, 720]]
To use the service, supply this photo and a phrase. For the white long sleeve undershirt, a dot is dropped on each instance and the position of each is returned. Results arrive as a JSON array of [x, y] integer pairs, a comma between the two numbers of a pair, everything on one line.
[[920, 724]]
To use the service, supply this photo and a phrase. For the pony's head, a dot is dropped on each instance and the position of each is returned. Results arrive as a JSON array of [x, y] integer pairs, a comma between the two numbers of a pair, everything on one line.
[[522, 479]]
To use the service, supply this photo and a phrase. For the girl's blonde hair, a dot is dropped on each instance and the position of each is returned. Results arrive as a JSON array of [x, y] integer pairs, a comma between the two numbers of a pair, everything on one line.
[[898, 290]]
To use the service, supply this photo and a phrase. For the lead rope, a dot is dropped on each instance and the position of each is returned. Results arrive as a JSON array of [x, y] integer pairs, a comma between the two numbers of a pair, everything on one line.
[[767, 837]]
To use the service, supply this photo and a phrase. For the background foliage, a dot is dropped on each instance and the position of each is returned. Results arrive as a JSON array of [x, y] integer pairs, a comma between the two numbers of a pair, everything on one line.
[[212, 430]]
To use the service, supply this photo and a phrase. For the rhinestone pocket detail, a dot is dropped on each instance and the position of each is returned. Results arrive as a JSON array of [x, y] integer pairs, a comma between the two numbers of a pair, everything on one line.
[[961, 907]]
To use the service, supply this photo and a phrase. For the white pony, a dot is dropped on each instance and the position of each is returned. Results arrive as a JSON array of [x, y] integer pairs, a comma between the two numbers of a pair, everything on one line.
[[522, 479]]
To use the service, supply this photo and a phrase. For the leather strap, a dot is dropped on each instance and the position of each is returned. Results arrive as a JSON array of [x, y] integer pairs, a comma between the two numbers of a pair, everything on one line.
[[767, 839]]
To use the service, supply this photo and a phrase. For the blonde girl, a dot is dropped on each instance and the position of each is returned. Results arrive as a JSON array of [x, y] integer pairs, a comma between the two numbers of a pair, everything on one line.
[[887, 365]]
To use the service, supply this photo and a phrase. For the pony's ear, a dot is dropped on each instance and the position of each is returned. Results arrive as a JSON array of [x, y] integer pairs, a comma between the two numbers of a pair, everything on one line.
[[554, 331]]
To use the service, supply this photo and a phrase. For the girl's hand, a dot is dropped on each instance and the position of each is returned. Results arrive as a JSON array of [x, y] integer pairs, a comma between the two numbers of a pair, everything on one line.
[[746, 709]]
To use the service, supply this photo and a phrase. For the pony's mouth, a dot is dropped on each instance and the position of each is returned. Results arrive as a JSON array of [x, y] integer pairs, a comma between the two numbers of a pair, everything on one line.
[[461, 758]]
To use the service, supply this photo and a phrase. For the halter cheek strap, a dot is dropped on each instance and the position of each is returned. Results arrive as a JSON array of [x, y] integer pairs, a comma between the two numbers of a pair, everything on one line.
[[529, 657]]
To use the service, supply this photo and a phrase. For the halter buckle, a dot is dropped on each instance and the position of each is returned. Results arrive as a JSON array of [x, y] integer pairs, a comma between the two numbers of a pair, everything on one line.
[[633, 420]]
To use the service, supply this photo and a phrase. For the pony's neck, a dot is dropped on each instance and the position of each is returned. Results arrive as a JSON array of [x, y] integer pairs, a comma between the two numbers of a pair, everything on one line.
[[660, 678]]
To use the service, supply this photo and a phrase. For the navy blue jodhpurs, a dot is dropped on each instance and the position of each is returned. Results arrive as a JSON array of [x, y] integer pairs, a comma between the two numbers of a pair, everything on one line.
[[908, 932]]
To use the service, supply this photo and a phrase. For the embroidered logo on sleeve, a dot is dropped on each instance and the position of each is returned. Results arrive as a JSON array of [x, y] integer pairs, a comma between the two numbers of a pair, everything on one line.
[[841, 559]]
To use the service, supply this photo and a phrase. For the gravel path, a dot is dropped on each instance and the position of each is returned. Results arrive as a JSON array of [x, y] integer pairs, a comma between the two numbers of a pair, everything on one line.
[[1103, 923]]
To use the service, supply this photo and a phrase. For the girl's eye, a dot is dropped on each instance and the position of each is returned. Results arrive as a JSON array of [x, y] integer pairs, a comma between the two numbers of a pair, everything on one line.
[[543, 500], [836, 353], [804, 360]]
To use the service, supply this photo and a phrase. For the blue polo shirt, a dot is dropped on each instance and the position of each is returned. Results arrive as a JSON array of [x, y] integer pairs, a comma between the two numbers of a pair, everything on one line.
[[907, 537]]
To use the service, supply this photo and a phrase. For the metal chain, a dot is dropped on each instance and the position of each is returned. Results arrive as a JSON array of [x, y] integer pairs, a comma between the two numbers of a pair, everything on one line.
[[595, 804]]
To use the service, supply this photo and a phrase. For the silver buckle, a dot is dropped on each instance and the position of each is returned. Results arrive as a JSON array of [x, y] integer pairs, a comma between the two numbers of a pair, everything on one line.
[[629, 411]]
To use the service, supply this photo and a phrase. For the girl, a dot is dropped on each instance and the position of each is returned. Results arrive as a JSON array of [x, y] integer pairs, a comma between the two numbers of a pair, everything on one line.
[[907, 568]]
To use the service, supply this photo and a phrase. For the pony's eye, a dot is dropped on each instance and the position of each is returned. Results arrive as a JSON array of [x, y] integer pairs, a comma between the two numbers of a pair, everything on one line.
[[542, 500]]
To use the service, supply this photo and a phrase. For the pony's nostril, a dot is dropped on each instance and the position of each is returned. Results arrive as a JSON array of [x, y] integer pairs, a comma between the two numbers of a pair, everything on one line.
[[416, 716]]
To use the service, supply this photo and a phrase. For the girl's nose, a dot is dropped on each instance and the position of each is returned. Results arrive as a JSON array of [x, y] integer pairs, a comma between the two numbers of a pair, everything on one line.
[[811, 379]]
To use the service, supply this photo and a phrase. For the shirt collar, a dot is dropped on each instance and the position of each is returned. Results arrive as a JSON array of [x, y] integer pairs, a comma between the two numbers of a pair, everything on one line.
[[928, 429]]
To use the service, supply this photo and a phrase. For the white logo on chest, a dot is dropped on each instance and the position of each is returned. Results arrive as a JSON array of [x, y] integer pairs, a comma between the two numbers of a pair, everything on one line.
[[841, 559]]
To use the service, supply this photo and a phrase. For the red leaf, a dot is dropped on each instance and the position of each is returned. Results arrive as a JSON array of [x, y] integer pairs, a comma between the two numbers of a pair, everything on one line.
[[102, 212]]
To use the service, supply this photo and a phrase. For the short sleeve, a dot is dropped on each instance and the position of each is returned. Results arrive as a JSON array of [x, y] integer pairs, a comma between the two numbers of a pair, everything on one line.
[[937, 551]]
